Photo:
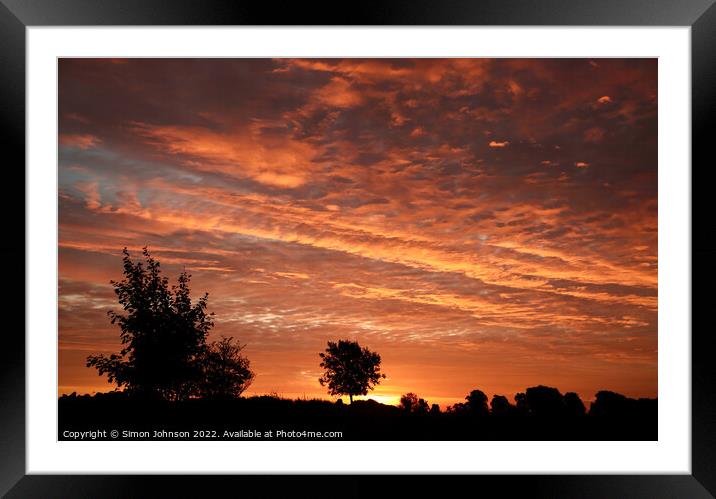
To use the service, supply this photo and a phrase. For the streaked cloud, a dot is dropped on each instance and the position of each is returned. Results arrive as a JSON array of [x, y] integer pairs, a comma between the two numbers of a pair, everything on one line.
[[81, 141]]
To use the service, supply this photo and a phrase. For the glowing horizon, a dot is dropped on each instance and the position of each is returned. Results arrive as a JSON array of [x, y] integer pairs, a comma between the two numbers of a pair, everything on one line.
[[481, 223]]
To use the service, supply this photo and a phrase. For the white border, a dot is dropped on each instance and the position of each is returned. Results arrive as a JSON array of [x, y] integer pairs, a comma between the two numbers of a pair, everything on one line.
[[671, 454]]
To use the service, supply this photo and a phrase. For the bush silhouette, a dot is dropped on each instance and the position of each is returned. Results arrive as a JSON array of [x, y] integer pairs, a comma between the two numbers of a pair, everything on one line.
[[349, 369], [411, 404], [225, 373], [408, 402]]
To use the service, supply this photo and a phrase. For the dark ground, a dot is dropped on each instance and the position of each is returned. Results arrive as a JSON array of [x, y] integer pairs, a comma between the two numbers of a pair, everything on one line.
[[363, 420]]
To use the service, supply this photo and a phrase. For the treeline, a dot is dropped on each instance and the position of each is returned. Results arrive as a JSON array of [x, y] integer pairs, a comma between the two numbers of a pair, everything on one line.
[[539, 401], [610, 417]]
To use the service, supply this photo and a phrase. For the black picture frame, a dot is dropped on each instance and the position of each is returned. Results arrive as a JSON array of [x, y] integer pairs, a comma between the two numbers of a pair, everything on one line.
[[17, 15]]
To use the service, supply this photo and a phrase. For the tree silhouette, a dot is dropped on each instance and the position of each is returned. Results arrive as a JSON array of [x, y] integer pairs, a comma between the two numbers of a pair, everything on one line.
[[457, 408], [521, 403], [349, 369], [477, 403], [410, 403], [610, 404], [501, 406], [574, 405], [163, 334], [545, 401], [225, 373]]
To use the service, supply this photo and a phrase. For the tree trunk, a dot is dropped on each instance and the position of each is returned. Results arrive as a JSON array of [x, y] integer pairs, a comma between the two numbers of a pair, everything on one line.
[[350, 397]]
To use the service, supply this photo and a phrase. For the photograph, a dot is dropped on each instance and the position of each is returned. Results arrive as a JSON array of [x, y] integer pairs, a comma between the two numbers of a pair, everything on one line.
[[357, 249]]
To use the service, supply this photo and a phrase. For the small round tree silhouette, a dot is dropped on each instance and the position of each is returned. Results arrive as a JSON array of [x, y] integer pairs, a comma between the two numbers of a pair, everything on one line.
[[349, 369]]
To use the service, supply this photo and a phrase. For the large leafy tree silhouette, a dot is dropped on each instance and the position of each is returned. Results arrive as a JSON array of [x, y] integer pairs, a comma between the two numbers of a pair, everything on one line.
[[349, 369], [162, 332]]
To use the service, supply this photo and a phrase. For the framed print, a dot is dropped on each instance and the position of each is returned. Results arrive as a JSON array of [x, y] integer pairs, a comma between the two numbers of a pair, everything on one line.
[[426, 240]]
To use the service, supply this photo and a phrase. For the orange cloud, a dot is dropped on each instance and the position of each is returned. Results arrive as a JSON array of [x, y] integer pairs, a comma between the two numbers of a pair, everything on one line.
[[80, 141], [338, 93], [91, 192], [241, 155]]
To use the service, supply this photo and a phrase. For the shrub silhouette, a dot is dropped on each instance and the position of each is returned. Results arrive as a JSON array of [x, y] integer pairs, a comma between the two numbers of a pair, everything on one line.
[[411, 404], [225, 373], [349, 369]]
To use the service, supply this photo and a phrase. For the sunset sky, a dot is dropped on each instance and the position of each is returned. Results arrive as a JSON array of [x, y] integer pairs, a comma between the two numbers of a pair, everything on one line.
[[480, 223]]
